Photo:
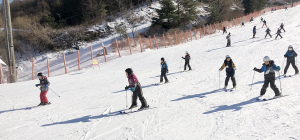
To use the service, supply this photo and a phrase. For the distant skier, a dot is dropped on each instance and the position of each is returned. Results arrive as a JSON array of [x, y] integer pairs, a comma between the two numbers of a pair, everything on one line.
[[268, 33], [136, 88], [290, 55], [272, 10], [254, 31], [228, 40], [261, 20], [278, 33], [265, 23], [282, 27], [243, 24], [269, 69], [286, 8], [164, 71], [187, 60], [224, 30], [251, 19], [230, 71], [44, 87]]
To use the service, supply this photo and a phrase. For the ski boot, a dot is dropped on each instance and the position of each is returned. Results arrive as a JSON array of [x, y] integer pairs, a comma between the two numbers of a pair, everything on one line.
[[144, 107], [41, 104], [133, 106]]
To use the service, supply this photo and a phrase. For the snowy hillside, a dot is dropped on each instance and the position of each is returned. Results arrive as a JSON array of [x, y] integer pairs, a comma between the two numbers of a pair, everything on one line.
[[191, 107]]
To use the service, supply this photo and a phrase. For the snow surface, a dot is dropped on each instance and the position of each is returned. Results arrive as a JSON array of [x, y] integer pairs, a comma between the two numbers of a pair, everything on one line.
[[190, 107]]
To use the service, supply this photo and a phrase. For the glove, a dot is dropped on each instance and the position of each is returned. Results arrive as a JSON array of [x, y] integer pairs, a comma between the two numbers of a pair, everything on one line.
[[234, 68], [278, 68], [285, 55], [255, 69], [167, 71], [220, 70], [132, 89], [37, 85], [127, 87], [46, 85], [296, 55]]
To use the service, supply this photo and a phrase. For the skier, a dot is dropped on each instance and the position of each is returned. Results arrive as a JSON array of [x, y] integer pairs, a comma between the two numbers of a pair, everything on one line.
[[278, 33], [164, 71], [282, 27], [251, 20], [265, 23], [268, 33], [187, 60], [254, 31], [269, 69], [261, 20], [272, 10], [230, 71], [44, 87], [290, 55], [228, 40], [136, 88], [243, 24], [224, 30], [286, 8]]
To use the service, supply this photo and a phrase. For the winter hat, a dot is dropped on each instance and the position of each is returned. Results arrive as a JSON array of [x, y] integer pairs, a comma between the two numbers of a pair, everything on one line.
[[186, 52], [129, 71], [266, 58], [290, 46], [227, 56], [163, 59], [40, 74]]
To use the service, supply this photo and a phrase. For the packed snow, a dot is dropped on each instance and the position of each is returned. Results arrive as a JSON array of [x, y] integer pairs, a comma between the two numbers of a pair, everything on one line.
[[190, 107]]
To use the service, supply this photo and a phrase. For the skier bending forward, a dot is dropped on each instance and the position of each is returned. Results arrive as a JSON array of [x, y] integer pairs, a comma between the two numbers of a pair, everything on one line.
[[44, 83]]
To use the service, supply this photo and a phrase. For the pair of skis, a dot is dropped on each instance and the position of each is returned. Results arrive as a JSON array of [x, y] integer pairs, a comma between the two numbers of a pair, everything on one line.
[[265, 99], [128, 111]]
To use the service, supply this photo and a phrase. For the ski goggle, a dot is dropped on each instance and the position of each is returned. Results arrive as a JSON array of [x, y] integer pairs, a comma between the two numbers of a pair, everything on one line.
[[290, 49]]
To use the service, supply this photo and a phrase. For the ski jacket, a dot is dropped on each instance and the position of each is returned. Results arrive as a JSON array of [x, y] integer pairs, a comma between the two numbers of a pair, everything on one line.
[[43, 82], [269, 70], [228, 36], [278, 32], [268, 30], [187, 58], [230, 66], [254, 30], [281, 26], [164, 66], [291, 55], [132, 80], [224, 29], [265, 22]]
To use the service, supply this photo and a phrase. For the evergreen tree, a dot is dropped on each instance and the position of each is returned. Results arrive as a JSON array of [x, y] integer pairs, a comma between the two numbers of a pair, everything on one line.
[[254, 5], [214, 16], [188, 11], [167, 16]]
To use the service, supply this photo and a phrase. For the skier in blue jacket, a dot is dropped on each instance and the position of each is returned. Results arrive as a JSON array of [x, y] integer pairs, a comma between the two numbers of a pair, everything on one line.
[[268, 33], [164, 70], [254, 31], [269, 69], [290, 55]]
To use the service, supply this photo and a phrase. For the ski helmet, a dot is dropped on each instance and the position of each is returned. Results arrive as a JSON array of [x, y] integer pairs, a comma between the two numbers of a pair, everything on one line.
[[227, 56], [163, 59], [129, 71], [290, 46], [266, 59], [40, 74]]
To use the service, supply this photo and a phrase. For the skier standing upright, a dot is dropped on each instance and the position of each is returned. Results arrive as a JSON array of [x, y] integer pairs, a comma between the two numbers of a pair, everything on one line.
[[164, 70], [136, 88], [44, 87], [243, 24], [268, 33], [228, 40], [265, 23], [187, 60], [230, 71], [282, 27], [278, 33], [269, 69], [290, 55], [224, 30], [254, 31]]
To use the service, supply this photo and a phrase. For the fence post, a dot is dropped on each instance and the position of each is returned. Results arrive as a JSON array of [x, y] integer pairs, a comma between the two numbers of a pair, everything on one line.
[[1, 74], [170, 39], [195, 33], [129, 45], [118, 47], [65, 63], [141, 44], [187, 39], [204, 31], [200, 32], [181, 37], [164, 41], [176, 38], [191, 35], [48, 67], [91, 52], [155, 42], [32, 68], [78, 55], [104, 52], [150, 42]]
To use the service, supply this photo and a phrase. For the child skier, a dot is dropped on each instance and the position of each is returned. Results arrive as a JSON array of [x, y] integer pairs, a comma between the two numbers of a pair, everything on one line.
[[254, 31], [290, 55], [261, 20], [187, 60], [224, 30], [230, 71], [164, 70], [265, 23], [228, 40], [269, 69], [282, 27], [278, 33], [136, 88], [243, 24], [268, 33], [44, 87]]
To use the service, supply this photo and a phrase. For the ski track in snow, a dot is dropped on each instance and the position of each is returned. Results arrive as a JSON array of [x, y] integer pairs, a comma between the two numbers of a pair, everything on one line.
[[189, 107]]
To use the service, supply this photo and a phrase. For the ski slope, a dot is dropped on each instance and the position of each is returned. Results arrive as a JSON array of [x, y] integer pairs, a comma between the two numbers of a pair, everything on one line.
[[191, 107]]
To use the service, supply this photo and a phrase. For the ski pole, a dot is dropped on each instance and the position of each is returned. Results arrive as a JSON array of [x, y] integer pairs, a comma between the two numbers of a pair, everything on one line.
[[54, 92], [173, 76], [252, 80], [180, 64], [219, 79], [126, 99], [283, 64], [280, 82]]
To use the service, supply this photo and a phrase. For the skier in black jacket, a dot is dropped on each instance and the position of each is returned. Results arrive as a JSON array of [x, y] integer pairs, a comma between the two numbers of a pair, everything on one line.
[[224, 30], [290, 55], [268, 33], [282, 27], [269, 69], [265, 23], [187, 60], [278, 33], [230, 71]]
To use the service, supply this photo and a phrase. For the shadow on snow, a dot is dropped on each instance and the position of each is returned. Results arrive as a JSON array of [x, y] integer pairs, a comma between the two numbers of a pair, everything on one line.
[[202, 95]]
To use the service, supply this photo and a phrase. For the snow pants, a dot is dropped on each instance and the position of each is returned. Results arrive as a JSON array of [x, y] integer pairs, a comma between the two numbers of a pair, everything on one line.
[[232, 79], [264, 25], [138, 93], [278, 35], [224, 31], [268, 34], [254, 35], [163, 75], [187, 64], [288, 63], [273, 87], [228, 42], [43, 97]]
